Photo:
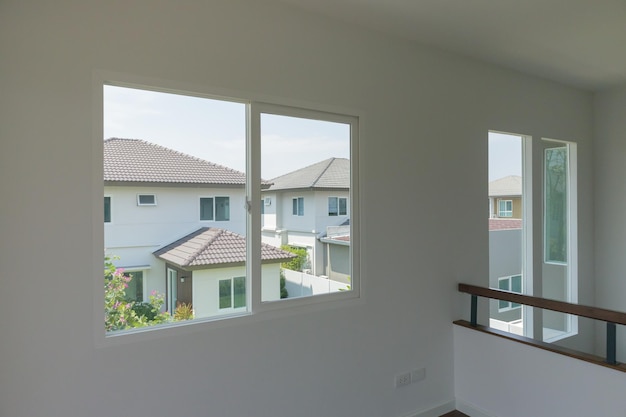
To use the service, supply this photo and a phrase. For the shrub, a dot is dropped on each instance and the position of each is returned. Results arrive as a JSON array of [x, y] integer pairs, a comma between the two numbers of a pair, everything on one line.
[[183, 312], [299, 262]]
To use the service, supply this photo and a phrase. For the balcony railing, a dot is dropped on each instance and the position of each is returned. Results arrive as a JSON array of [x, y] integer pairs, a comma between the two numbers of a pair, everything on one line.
[[611, 317]]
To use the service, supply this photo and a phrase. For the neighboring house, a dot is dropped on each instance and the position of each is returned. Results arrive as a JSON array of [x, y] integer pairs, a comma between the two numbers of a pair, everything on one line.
[[207, 269], [505, 266], [336, 252], [153, 196], [505, 197], [300, 205]]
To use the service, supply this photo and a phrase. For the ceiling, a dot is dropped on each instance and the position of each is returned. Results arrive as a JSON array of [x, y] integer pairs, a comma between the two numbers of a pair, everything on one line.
[[576, 42]]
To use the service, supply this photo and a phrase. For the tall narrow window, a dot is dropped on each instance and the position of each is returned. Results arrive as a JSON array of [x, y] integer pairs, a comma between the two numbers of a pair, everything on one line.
[[297, 205], [505, 226], [555, 215], [107, 209]]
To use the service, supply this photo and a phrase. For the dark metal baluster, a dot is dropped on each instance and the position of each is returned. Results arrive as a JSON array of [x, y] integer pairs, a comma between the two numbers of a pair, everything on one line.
[[474, 311], [611, 343]]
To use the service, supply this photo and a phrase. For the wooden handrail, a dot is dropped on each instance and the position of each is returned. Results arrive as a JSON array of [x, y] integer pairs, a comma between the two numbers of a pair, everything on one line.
[[610, 316]]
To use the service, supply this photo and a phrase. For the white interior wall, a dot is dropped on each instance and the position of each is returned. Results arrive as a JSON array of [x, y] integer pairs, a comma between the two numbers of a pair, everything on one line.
[[424, 122], [495, 377], [610, 198]]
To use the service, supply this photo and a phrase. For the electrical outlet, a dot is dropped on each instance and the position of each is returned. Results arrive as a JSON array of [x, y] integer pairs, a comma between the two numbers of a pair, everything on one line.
[[403, 379]]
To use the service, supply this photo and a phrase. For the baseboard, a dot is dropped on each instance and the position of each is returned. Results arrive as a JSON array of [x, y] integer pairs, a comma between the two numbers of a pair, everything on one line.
[[471, 409], [433, 412]]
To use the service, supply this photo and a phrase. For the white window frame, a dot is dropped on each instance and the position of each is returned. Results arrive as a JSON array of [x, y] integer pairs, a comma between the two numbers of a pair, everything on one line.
[[144, 274], [232, 307], [505, 213], [298, 204], [213, 197], [110, 209], [139, 203], [338, 213], [256, 309]]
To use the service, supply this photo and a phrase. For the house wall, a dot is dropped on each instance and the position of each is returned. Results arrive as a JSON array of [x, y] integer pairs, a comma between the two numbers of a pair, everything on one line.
[[424, 118], [206, 287], [610, 228], [505, 259], [135, 232]]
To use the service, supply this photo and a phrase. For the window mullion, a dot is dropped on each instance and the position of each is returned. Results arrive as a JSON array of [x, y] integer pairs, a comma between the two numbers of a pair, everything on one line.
[[253, 197]]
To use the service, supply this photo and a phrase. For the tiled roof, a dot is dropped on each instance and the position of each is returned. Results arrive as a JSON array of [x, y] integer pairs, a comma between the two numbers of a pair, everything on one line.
[[330, 173], [506, 186], [214, 246], [134, 160], [505, 224]]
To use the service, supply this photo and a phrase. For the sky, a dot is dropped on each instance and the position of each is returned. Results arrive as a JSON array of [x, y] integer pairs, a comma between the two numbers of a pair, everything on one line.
[[214, 130], [505, 155]]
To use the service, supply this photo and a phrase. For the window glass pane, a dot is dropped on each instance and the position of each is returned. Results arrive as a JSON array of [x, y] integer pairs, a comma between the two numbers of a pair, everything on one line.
[[225, 293], [107, 209], [206, 209], [333, 208], [134, 291], [312, 155], [222, 208], [239, 295], [503, 284], [343, 206], [516, 284], [556, 205], [197, 159], [147, 199]]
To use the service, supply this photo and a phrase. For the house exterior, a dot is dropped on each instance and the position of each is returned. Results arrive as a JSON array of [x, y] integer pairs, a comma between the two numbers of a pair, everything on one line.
[[505, 197], [207, 269], [158, 202], [300, 205]]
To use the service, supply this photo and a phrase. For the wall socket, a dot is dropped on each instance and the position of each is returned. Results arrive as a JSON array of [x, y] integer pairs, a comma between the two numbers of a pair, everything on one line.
[[408, 378]]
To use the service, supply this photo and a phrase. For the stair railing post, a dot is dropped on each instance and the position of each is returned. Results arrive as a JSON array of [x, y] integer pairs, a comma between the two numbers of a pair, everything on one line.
[[474, 311], [611, 343]]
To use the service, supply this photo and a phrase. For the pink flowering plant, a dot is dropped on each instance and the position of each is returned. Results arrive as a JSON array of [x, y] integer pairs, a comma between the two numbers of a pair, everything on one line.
[[122, 313]]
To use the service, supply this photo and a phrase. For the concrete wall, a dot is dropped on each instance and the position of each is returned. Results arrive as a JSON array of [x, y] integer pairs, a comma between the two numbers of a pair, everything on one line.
[[424, 118]]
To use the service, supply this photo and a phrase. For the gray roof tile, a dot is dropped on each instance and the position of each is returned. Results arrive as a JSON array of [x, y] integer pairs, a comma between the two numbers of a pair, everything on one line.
[[330, 173], [213, 246], [135, 160]]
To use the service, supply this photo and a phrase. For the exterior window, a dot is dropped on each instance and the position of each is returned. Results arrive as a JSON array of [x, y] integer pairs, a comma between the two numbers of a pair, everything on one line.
[[232, 292], [337, 206], [555, 205], [146, 200], [134, 291], [217, 208], [513, 284], [107, 209], [505, 208], [298, 206], [212, 265]]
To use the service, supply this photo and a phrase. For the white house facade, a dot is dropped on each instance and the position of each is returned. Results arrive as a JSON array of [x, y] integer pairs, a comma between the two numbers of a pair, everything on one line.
[[155, 197], [299, 206]]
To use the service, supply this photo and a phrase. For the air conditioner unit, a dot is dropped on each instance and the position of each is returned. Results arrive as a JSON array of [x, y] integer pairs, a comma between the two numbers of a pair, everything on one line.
[[267, 201]]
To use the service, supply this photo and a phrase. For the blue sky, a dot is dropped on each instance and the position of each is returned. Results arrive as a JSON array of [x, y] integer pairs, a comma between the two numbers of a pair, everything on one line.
[[214, 130]]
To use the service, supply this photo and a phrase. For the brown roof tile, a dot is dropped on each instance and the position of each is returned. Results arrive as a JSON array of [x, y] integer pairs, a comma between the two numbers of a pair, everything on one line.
[[135, 160], [505, 224], [214, 246]]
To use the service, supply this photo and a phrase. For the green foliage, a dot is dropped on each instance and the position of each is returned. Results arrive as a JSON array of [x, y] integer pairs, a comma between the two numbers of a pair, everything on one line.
[[121, 313], [297, 263], [183, 312], [283, 291]]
